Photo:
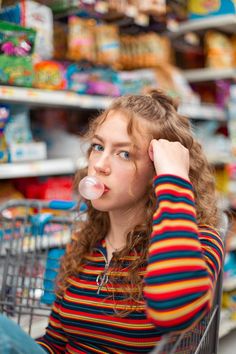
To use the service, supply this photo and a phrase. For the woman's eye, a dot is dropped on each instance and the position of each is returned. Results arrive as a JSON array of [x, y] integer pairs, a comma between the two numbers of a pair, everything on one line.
[[125, 155], [97, 147]]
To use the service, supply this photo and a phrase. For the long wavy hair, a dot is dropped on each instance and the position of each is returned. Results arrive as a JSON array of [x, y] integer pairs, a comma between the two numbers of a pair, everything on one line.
[[162, 120]]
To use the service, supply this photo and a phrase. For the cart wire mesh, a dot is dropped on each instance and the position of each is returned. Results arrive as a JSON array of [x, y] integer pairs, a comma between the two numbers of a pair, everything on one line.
[[31, 245]]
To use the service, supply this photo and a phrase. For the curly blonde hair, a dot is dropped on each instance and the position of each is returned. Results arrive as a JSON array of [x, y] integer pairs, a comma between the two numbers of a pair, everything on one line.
[[162, 121]]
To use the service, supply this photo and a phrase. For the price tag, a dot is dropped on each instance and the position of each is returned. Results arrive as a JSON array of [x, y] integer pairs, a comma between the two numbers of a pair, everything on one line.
[[8, 91]]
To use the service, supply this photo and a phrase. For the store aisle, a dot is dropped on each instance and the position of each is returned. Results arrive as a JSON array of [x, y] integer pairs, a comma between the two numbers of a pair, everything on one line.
[[228, 344]]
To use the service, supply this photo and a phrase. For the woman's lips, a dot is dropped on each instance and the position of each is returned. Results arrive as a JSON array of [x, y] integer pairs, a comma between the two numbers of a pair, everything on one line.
[[106, 189]]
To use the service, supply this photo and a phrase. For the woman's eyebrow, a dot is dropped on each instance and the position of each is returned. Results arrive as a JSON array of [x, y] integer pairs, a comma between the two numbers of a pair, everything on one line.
[[118, 144]]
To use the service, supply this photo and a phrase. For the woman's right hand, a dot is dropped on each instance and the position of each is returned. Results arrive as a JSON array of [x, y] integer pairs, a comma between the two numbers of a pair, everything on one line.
[[169, 157]]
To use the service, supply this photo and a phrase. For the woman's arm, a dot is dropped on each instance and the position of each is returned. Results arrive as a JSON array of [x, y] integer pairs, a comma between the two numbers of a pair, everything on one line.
[[54, 341], [184, 259]]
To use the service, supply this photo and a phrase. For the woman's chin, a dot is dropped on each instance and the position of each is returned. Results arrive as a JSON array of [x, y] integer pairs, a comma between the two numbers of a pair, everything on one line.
[[99, 205]]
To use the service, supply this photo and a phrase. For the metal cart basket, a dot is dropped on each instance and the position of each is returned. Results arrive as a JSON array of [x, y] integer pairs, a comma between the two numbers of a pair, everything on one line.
[[31, 244]]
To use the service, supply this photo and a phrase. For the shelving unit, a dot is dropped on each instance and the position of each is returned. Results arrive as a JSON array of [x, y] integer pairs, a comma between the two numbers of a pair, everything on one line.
[[36, 97], [226, 23], [41, 168], [208, 74]]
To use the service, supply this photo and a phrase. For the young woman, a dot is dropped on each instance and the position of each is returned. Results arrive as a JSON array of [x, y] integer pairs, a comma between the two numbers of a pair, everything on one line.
[[146, 259]]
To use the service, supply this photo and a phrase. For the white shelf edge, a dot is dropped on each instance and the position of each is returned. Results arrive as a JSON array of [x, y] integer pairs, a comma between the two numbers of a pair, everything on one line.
[[226, 22], [49, 97], [203, 111], [40, 168], [207, 74], [12, 94]]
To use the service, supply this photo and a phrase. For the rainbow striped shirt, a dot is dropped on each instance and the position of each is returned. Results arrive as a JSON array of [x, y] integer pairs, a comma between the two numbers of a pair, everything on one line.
[[183, 264]]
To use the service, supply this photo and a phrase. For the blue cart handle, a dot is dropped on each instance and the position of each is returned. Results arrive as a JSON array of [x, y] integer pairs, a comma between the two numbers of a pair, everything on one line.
[[61, 205]]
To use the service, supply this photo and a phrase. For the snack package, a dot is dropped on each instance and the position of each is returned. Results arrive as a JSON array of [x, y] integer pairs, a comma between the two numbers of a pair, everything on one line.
[[81, 39], [50, 75], [16, 49], [4, 117], [233, 43], [11, 13], [93, 81], [107, 44], [40, 18], [219, 51], [144, 51], [137, 81], [152, 7], [202, 8], [18, 129], [59, 41]]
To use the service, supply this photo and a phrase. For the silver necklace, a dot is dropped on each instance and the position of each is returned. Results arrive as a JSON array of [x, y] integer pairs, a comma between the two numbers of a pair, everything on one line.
[[114, 248]]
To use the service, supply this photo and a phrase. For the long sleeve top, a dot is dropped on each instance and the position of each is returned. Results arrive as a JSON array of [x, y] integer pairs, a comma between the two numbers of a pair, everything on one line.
[[179, 279]]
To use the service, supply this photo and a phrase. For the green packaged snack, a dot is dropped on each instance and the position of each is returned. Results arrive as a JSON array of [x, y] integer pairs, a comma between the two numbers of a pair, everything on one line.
[[16, 49]]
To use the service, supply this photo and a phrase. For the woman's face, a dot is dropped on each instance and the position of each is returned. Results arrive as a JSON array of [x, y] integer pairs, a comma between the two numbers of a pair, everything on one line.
[[125, 170]]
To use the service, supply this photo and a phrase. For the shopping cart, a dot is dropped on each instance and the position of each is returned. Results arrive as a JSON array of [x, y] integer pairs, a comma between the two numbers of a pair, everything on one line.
[[31, 245], [33, 236]]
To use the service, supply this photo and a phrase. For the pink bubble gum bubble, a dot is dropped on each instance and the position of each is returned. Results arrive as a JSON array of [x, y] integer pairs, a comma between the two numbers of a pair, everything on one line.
[[91, 188]]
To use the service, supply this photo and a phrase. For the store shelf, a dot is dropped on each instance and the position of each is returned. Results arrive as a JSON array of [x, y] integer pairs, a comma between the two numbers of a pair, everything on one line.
[[206, 74], [226, 23], [204, 111], [37, 97], [41, 168]]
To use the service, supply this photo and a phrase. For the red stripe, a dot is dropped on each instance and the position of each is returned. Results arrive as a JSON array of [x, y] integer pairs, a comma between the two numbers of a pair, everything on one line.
[[176, 228], [170, 192], [178, 269], [178, 293], [181, 319]]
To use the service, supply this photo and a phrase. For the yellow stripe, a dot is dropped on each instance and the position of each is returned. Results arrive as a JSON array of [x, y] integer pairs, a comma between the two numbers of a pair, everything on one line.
[[111, 272], [173, 187], [177, 205], [175, 286], [214, 254], [176, 242], [101, 258], [46, 346], [104, 288], [55, 335], [55, 324], [115, 340], [173, 223], [175, 263], [87, 347], [174, 314], [106, 321]]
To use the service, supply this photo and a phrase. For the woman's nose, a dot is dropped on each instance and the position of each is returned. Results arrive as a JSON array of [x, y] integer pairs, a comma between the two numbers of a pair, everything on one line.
[[102, 165]]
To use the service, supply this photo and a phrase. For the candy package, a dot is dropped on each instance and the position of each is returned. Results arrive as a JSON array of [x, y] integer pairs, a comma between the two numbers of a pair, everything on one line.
[[4, 117], [219, 51], [93, 81], [39, 17], [81, 39], [107, 44], [16, 49], [50, 75]]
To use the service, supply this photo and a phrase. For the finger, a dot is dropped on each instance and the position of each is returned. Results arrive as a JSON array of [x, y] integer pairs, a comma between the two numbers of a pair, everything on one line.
[[150, 150]]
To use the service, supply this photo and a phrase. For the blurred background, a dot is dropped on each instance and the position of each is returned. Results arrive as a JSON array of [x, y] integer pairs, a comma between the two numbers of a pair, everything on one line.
[[62, 62]]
